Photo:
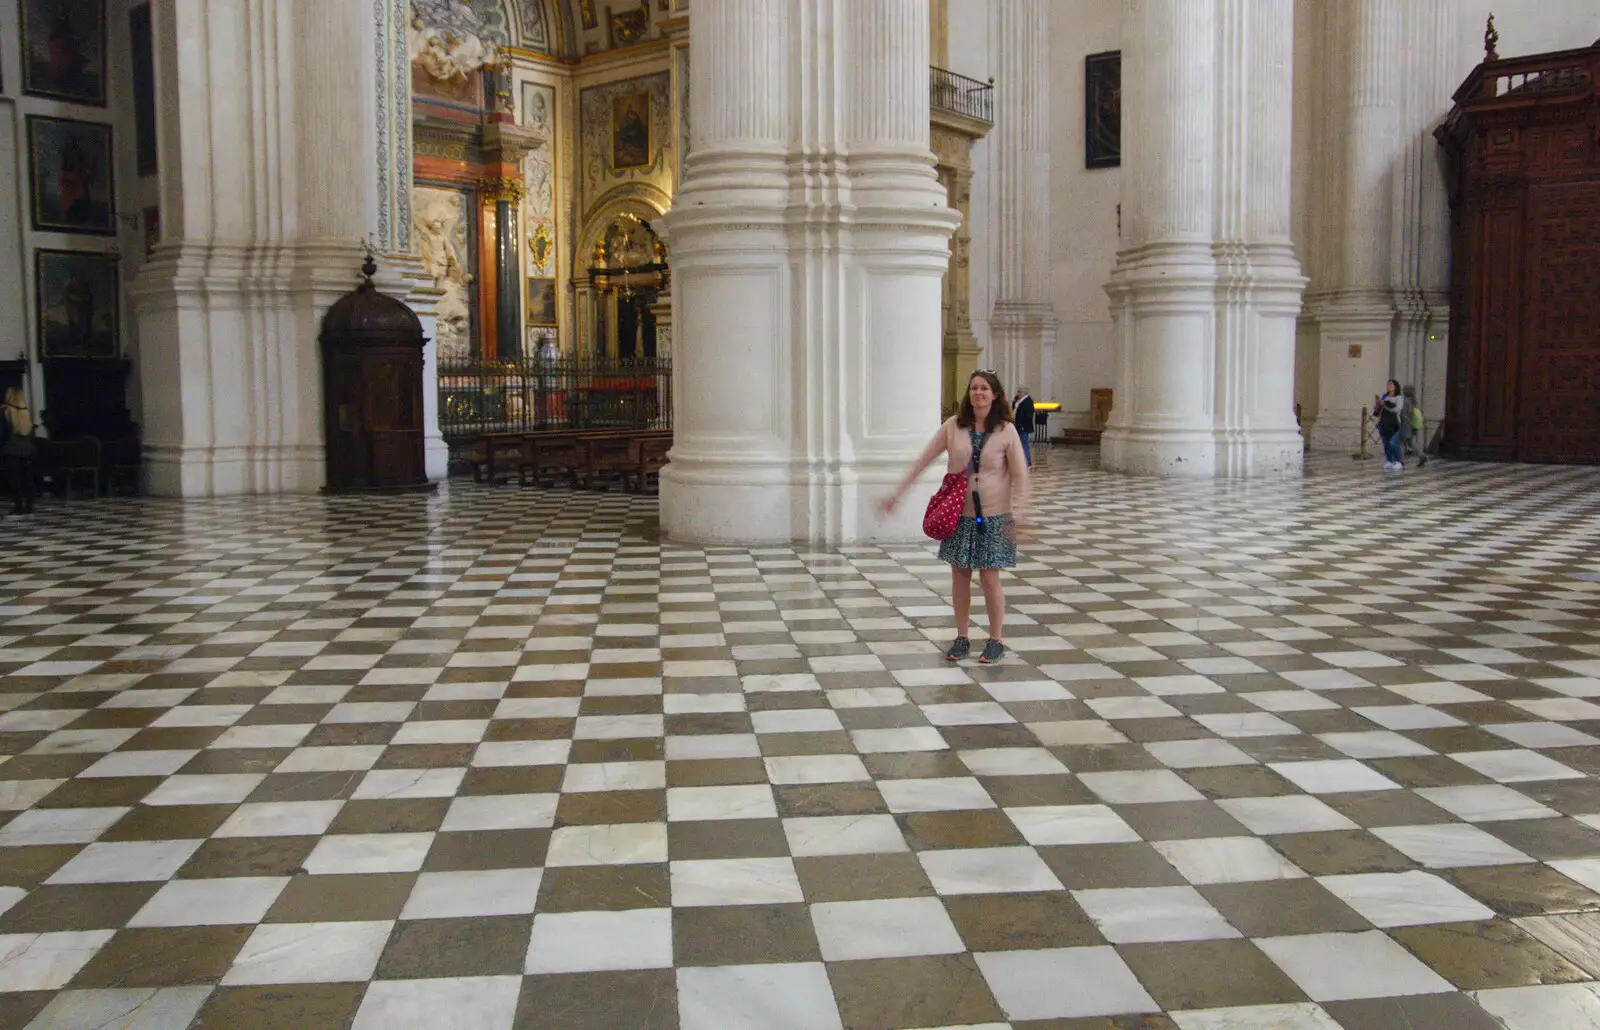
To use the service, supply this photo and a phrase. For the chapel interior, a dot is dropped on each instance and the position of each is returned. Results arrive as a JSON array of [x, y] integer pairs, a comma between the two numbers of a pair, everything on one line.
[[461, 596]]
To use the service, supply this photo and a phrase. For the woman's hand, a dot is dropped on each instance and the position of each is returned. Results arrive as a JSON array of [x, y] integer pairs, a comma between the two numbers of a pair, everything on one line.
[[888, 505]]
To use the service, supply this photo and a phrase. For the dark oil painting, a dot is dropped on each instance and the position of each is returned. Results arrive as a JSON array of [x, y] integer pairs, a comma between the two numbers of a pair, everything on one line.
[[64, 50], [77, 304], [70, 162], [1103, 110]]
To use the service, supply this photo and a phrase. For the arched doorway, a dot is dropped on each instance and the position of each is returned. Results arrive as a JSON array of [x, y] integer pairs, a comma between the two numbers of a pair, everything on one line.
[[621, 283]]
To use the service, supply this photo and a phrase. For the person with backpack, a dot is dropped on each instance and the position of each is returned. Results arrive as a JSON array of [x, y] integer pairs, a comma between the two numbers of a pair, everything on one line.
[[19, 449], [1412, 440], [1386, 410]]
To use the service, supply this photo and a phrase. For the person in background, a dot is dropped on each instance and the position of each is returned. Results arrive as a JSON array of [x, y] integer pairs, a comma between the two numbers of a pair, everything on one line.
[[18, 448], [1022, 407], [1387, 410], [1411, 435], [980, 438]]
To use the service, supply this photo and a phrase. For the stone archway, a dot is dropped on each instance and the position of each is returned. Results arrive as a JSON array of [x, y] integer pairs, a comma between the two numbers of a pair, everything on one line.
[[620, 276]]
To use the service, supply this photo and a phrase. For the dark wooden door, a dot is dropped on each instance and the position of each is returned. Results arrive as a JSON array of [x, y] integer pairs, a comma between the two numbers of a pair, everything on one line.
[[1558, 403]]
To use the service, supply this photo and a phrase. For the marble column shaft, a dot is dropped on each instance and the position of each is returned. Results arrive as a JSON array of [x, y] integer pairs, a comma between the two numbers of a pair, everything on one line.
[[809, 237], [1022, 327], [1206, 289]]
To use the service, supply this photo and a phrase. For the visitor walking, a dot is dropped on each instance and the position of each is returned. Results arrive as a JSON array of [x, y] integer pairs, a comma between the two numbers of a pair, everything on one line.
[[1387, 409], [981, 441], [1023, 419], [18, 448], [1412, 439]]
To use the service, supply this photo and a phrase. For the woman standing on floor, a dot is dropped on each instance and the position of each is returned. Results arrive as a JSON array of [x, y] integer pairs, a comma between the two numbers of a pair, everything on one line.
[[16, 444], [982, 441], [1387, 410]]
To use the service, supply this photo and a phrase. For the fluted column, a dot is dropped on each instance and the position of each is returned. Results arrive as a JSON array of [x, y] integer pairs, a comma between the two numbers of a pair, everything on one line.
[[1206, 289], [808, 240], [1353, 304], [1022, 327]]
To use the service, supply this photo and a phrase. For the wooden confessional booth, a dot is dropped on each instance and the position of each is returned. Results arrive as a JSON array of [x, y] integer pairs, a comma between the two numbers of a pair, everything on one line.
[[1524, 181]]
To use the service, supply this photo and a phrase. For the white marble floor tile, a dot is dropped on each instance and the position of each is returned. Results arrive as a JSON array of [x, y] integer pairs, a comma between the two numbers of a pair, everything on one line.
[[1486, 802], [890, 928], [1305, 1016], [597, 776], [586, 942], [1063, 983], [126, 862], [1289, 701], [1542, 734], [1349, 966], [1227, 860], [469, 1003], [1138, 787], [1450, 845], [1012, 761], [1408, 717], [793, 996], [38, 826], [798, 769], [607, 844], [734, 881], [210, 789], [1135, 915], [211, 902], [936, 794], [1585, 870], [1246, 724], [289, 953], [369, 853], [1405, 899], [477, 892], [1374, 744], [742, 801], [898, 739], [1545, 1007], [843, 835], [46, 961], [501, 812], [1197, 754], [133, 1008], [1333, 776], [1516, 766], [1071, 824], [987, 871]]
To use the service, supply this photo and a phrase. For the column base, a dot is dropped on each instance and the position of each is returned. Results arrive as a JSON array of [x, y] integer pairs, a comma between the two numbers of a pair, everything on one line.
[[177, 471], [754, 504], [1201, 454]]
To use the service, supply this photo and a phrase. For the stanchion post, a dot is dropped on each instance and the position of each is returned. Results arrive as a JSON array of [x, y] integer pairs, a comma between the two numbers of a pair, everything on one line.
[[1362, 427]]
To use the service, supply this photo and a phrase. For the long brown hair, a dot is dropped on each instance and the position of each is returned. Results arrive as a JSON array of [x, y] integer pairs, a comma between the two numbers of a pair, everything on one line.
[[999, 411]]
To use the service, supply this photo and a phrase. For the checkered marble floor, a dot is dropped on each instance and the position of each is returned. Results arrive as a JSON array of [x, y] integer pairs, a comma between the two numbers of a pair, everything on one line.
[[1306, 756]]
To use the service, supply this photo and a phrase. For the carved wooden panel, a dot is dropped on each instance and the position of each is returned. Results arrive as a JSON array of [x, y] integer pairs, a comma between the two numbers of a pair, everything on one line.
[[1559, 409]]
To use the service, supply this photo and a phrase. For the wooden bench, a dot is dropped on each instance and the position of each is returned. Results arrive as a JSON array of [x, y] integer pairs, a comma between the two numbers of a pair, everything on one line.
[[492, 450], [647, 458]]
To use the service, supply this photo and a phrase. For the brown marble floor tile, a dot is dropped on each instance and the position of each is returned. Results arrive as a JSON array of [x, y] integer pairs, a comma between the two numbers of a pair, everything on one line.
[[1483, 955], [1388, 808], [426, 756], [861, 877], [281, 1007], [356, 897], [983, 828], [715, 772], [743, 935], [338, 734], [487, 849], [890, 994], [100, 792], [832, 742], [45, 767], [174, 738], [1240, 781], [536, 779], [640, 749], [30, 866], [1102, 866], [1575, 936], [1278, 908], [169, 822], [1427, 771], [1106, 757], [529, 729], [913, 765], [248, 856], [611, 806], [643, 999], [433, 948], [409, 815], [1209, 974], [828, 799], [1421, 1012], [18, 1009], [1524, 890], [307, 786], [1034, 791], [236, 760], [726, 838], [90, 906], [1548, 839], [163, 957], [1337, 852], [604, 888], [1181, 820], [1015, 922]]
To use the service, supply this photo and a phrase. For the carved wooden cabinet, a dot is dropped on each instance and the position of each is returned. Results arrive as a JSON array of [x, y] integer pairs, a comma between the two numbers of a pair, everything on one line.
[[1524, 179], [372, 353]]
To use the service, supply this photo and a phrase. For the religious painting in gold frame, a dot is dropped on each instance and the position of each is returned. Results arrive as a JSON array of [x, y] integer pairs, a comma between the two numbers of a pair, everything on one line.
[[630, 131], [541, 306]]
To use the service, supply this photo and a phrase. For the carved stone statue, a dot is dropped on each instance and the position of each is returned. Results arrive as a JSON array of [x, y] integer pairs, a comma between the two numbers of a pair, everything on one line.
[[439, 224], [449, 51]]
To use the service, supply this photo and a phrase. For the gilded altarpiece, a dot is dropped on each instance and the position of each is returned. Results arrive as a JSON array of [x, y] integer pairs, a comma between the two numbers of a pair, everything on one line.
[[952, 140]]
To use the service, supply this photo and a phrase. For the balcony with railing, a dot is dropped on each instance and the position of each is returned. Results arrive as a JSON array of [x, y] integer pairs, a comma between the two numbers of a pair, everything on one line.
[[957, 94]]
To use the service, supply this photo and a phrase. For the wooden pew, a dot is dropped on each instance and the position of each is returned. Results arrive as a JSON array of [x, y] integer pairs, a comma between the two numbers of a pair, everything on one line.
[[647, 457], [494, 452]]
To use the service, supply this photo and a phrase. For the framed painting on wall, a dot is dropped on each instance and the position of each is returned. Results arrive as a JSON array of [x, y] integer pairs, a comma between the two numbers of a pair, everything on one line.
[[144, 90], [70, 161], [541, 301], [64, 50], [1103, 110], [630, 131], [76, 297]]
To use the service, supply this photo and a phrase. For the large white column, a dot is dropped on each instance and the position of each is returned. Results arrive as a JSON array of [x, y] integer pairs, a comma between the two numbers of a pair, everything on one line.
[[1206, 289], [270, 125], [809, 237], [1022, 327], [1354, 305]]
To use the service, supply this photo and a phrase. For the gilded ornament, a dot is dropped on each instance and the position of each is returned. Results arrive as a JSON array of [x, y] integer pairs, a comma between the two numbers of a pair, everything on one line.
[[493, 191]]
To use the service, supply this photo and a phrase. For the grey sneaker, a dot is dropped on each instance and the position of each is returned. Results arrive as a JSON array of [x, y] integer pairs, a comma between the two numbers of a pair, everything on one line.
[[993, 651], [959, 650]]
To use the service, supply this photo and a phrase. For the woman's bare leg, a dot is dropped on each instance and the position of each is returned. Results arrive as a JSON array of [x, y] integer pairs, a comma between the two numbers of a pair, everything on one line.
[[961, 591], [994, 599]]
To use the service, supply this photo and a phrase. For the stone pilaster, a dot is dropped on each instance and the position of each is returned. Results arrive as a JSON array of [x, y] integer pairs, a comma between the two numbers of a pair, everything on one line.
[[808, 238], [1022, 327], [954, 134], [1206, 288]]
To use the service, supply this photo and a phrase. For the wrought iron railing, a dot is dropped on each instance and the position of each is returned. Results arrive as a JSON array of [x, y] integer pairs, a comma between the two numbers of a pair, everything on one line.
[[525, 394], [951, 92]]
